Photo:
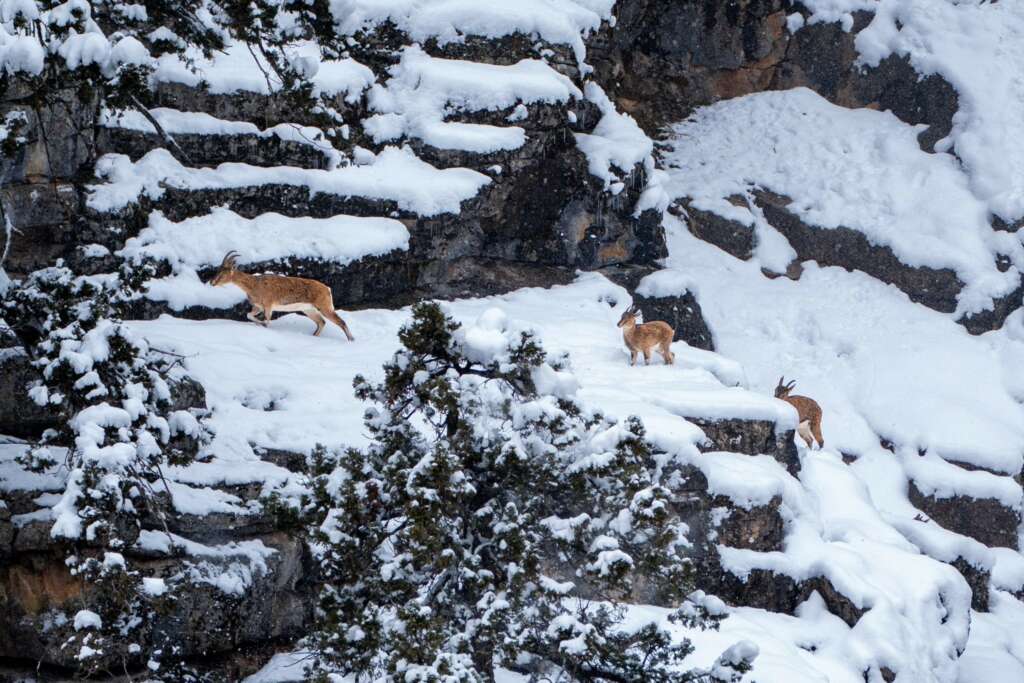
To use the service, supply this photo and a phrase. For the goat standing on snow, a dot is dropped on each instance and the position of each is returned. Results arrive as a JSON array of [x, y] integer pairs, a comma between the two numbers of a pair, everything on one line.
[[269, 293], [644, 337], [807, 409]]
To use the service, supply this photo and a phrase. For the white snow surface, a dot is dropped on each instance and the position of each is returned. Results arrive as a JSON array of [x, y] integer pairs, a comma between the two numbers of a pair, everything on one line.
[[395, 174], [852, 524], [203, 240], [282, 388], [861, 169], [237, 69], [880, 365], [554, 21], [174, 121], [976, 46], [423, 90]]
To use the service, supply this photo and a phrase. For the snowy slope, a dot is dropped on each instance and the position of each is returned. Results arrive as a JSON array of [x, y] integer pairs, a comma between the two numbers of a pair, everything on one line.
[[278, 388], [860, 169], [976, 46], [908, 395]]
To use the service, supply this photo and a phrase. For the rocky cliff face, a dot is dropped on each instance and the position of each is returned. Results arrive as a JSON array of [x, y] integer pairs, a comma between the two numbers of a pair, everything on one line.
[[540, 215]]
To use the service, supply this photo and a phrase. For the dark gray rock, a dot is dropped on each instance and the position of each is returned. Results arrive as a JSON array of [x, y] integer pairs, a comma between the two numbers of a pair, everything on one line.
[[984, 519], [716, 520], [728, 235], [211, 150], [43, 215], [822, 57], [681, 311], [753, 437], [978, 578], [661, 61], [850, 249], [779, 593], [6, 531], [20, 416], [936, 288], [201, 619]]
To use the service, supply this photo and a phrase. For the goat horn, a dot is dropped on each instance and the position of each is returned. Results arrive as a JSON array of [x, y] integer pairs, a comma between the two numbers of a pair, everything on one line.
[[781, 380], [229, 258]]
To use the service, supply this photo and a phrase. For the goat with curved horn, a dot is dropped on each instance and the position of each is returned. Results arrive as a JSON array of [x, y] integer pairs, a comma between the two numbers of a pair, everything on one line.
[[808, 412], [645, 337], [270, 293]]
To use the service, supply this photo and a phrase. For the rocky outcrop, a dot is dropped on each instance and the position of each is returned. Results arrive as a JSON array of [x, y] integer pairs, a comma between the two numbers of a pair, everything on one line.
[[663, 61], [238, 581], [753, 437], [728, 235], [202, 619], [936, 288], [984, 519], [22, 417], [509, 235], [978, 578], [680, 310]]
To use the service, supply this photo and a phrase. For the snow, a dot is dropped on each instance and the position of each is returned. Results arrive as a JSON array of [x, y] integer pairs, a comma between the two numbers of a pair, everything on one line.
[[283, 667], [86, 619], [396, 174], [616, 141], [175, 122], [313, 375], [976, 46], [231, 567], [665, 283], [866, 353], [13, 477], [423, 90], [861, 169], [186, 289], [21, 53], [749, 481], [555, 21], [281, 388], [203, 240], [237, 69], [844, 522]]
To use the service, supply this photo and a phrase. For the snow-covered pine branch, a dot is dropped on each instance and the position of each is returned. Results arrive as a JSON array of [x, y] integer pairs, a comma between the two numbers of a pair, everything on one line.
[[493, 522], [119, 430]]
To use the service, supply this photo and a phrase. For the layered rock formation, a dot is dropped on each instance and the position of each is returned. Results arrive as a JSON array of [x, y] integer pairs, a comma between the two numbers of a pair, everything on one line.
[[540, 215]]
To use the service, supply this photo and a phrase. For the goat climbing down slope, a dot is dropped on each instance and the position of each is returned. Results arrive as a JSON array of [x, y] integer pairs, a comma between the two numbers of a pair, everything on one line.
[[269, 293], [808, 410], [643, 338]]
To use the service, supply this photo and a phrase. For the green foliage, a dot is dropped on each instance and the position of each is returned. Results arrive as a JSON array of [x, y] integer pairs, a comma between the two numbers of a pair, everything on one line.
[[491, 524], [118, 431]]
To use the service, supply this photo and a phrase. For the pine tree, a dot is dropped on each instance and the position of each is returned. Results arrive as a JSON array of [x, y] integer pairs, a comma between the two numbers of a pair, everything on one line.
[[494, 522], [117, 431]]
